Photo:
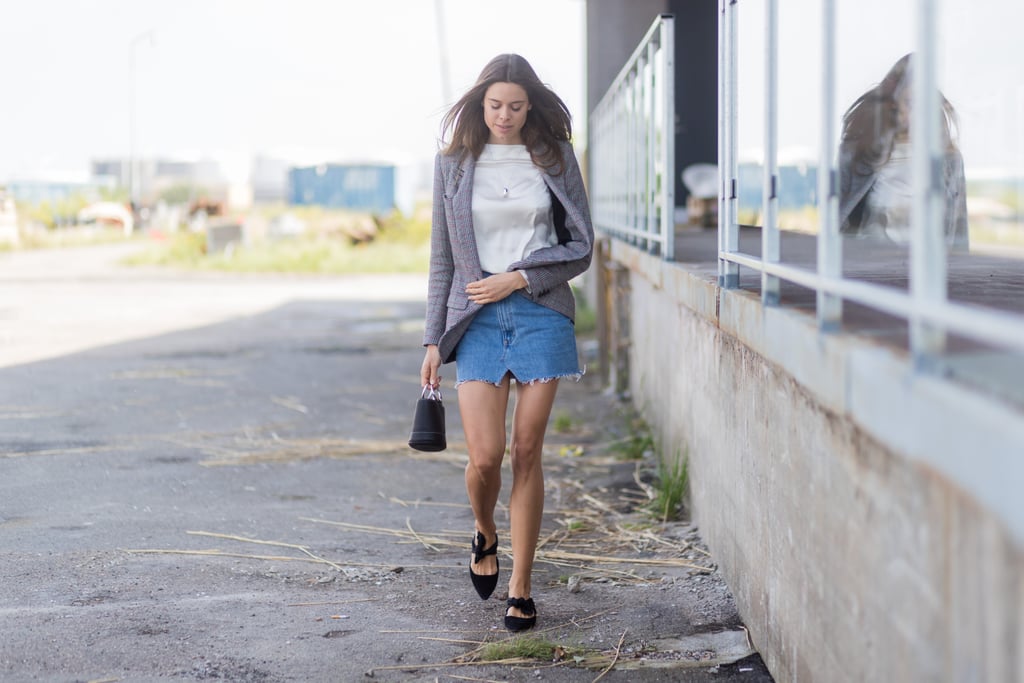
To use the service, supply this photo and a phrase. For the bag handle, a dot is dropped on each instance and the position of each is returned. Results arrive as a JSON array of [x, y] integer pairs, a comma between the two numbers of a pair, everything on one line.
[[431, 392]]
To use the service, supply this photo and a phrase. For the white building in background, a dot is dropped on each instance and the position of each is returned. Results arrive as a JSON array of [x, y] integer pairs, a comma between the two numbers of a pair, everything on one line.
[[156, 176], [269, 178]]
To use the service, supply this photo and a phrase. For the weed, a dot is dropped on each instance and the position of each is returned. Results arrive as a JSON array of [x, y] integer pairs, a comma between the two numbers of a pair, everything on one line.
[[635, 444], [563, 423], [574, 524], [670, 488], [519, 648]]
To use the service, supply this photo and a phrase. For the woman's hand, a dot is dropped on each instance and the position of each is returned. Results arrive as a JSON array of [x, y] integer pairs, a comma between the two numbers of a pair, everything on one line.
[[495, 287], [431, 366]]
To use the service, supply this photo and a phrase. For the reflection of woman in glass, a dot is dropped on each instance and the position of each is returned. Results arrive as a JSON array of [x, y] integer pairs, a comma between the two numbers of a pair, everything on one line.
[[874, 164]]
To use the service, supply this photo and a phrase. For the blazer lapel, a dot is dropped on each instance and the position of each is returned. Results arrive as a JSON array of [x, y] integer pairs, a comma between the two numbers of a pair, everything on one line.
[[462, 201]]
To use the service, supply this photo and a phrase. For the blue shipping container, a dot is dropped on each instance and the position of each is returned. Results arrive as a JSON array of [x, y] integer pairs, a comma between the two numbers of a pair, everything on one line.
[[362, 187]]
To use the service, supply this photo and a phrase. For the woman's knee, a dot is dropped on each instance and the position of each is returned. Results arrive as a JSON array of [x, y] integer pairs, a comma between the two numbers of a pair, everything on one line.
[[486, 468], [525, 455]]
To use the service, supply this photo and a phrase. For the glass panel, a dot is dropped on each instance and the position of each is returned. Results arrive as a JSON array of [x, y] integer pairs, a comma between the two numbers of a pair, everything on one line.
[[981, 60], [799, 131], [750, 109], [872, 106], [981, 71]]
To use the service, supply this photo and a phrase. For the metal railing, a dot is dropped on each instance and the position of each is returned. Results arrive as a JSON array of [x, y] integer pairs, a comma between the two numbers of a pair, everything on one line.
[[925, 305], [632, 147]]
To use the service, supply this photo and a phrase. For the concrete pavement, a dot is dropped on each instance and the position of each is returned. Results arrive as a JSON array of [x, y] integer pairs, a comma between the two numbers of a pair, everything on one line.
[[206, 477]]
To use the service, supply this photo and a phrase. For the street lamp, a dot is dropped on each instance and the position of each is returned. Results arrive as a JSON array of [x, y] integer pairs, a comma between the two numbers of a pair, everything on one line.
[[147, 36]]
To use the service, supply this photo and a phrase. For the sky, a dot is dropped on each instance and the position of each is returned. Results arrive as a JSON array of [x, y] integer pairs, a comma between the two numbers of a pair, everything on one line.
[[307, 81]]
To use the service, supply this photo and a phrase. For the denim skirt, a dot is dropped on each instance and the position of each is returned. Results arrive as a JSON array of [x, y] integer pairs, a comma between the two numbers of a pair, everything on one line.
[[517, 336]]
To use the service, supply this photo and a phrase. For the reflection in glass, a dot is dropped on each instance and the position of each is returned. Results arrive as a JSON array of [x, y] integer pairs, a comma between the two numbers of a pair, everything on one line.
[[799, 121], [981, 66], [876, 192]]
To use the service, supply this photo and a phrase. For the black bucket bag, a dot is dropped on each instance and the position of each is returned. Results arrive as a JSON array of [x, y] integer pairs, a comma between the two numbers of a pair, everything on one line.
[[428, 433]]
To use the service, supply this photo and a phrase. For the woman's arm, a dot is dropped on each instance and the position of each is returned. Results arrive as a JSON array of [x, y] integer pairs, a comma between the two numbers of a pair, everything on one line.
[[551, 266]]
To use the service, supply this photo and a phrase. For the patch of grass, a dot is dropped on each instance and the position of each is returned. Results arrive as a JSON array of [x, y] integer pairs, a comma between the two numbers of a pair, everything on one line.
[[315, 255], [183, 249], [562, 423], [399, 244], [670, 488], [586, 318], [633, 446], [324, 256], [57, 238], [636, 444], [528, 647], [574, 524]]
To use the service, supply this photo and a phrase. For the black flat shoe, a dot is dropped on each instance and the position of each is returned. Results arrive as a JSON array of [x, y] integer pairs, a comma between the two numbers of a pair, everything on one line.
[[526, 606], [484, 583]]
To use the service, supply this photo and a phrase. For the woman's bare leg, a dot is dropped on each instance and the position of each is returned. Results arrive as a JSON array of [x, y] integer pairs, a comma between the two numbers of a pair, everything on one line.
[[526, 503], [483, 407]]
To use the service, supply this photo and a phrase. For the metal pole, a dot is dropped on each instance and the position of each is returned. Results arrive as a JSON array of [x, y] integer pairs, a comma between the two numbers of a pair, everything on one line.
[[668, 139], [830, 255], [728, 228], [132, 171], [442, 50], [770, 250], [927, 244]]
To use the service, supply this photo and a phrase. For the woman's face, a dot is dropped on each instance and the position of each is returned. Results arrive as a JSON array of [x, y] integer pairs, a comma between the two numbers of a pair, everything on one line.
[[505, 106]]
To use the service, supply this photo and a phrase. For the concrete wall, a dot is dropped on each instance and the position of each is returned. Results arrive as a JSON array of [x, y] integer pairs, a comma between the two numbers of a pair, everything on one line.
[[859, 512], [614, 29]]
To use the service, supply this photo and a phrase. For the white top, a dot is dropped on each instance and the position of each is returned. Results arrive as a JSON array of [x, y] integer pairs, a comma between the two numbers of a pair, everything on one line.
[[511, 207], [889, 201]]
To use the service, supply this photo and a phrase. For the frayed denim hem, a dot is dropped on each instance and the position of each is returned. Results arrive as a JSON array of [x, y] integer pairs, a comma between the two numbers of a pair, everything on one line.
[[575, 376], [485, 381]]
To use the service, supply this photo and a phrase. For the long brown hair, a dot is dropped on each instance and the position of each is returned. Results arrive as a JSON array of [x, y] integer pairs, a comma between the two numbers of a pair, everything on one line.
[[871, 124], [548, 121]]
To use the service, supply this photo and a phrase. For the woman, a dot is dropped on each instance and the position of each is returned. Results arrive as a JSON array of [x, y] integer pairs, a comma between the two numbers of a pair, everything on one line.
[[511, 227], [874, 164]]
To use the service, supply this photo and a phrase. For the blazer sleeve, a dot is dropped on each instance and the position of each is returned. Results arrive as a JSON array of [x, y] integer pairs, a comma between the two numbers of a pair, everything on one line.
[[855, 180], [441, 263], [551, 266]]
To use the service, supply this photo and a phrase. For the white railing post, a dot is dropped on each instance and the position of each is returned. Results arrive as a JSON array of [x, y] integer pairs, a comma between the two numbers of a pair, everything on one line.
[[770, 287], [667, 191], [830, 254], [728, 228], [927, 244]]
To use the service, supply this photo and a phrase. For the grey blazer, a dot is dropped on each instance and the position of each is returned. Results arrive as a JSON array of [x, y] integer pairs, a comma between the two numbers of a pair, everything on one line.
[[454, 261]]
